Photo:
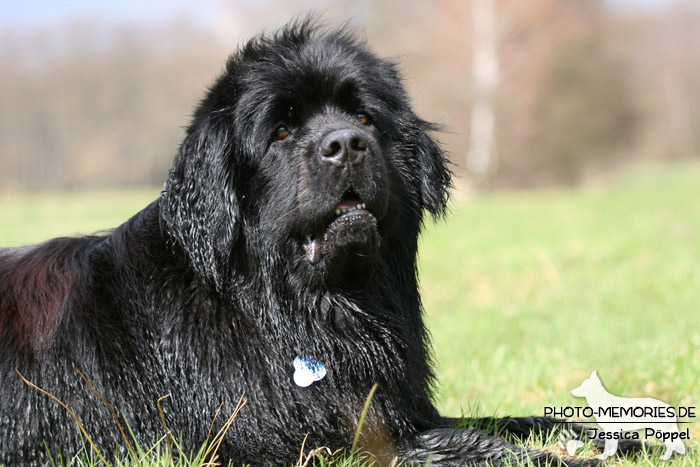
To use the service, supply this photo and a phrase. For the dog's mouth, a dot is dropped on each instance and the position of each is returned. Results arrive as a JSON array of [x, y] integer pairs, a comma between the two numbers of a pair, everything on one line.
[[351, 204], [351, 225]]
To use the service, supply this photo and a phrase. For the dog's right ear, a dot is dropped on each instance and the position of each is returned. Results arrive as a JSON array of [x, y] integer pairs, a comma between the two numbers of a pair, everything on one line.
[[435, 176], [198, 207]]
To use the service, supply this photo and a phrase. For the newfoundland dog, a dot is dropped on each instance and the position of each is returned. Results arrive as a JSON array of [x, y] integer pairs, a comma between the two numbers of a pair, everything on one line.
[[278, 265]]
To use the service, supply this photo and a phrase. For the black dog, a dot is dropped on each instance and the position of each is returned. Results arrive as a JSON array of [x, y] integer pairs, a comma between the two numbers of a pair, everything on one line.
[[279, 262]]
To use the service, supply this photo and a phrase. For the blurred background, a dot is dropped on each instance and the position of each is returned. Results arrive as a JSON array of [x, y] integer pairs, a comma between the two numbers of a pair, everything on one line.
[[593, 106], [531, 94]]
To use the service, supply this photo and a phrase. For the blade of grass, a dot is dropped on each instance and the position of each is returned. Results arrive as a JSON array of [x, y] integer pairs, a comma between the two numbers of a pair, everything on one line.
[[365, 409], [216, 442], [301, 453], [112, 411], [162, 419], [70, 412]]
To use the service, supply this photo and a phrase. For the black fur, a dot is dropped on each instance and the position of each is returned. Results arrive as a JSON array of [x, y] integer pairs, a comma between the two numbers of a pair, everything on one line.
[[241, 265]]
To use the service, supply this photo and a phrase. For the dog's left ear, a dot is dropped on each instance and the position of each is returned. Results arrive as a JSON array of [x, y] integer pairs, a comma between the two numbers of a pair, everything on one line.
[[198, 206], [436, 177]]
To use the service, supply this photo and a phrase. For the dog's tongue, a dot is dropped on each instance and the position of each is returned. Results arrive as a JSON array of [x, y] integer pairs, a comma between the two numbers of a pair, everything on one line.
[[313, 250], [349, 203]]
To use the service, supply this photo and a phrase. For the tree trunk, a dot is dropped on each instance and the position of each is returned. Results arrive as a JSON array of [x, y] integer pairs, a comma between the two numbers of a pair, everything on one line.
[[481, 155]]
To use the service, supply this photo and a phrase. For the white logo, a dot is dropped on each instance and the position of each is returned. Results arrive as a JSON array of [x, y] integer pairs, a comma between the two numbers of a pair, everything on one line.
[[622, 417], [568, 440]]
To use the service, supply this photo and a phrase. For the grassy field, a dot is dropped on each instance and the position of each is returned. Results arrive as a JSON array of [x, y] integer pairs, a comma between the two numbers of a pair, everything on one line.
[[526, 293]]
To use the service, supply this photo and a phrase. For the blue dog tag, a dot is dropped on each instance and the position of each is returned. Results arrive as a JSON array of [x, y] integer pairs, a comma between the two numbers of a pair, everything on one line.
[[307, 370]]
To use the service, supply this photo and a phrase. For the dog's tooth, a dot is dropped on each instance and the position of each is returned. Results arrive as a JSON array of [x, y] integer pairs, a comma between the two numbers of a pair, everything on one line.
[[364, 206], [337, 212], [359, 206]]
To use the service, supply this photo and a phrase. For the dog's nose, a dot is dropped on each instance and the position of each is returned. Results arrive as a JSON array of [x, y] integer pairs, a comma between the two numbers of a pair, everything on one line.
[[343, 147]]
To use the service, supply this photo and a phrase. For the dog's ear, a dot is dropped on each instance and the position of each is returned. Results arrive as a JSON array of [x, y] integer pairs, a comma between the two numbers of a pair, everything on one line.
[[436, 177], [198, 207]]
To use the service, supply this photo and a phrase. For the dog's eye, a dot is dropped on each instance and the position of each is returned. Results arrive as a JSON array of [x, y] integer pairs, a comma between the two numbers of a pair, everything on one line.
[[363, 117], [281, 132]]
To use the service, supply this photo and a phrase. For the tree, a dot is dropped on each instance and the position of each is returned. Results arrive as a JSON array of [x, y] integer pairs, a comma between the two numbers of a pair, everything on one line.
[[485, 75]]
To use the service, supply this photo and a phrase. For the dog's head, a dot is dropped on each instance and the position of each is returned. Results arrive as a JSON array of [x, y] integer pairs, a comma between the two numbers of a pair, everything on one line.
[[304, 154]]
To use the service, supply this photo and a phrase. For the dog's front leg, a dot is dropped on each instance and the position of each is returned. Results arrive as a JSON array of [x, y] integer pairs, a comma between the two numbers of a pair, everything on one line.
[[459, 447], [516, 427]]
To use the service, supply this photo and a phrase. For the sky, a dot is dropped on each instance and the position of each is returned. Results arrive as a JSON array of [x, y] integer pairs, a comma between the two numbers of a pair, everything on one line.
[[41, 12], [28, 13]]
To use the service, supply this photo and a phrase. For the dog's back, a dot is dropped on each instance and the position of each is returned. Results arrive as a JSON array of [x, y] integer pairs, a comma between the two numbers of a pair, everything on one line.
[[35, 285]]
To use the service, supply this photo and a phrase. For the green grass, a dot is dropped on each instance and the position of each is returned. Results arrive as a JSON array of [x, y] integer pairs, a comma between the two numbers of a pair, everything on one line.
[[526, 293], [36, 217]]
